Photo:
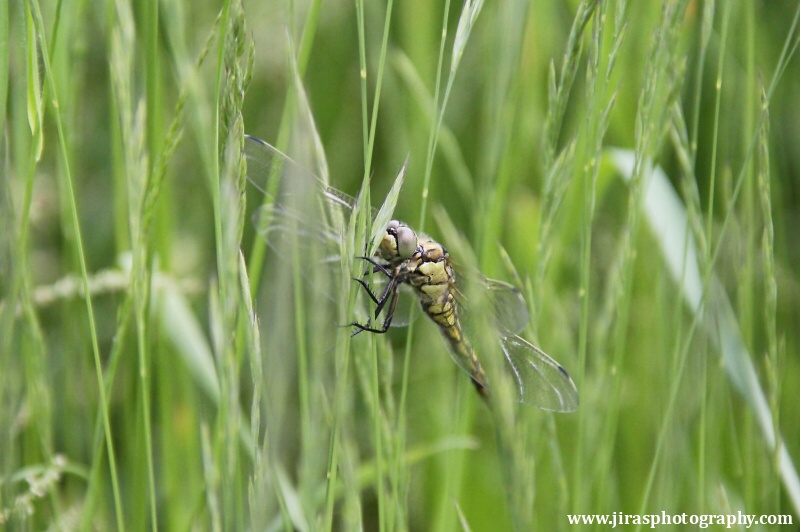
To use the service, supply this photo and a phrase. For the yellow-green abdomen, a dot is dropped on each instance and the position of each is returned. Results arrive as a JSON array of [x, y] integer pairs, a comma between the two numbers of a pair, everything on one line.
[[445, 316]]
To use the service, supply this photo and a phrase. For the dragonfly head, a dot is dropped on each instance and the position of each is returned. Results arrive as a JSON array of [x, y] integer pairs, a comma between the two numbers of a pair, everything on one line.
[[399, 242]]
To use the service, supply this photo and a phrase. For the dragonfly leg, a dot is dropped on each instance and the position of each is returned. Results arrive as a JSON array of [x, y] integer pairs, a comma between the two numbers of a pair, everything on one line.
[[391, 286], [376, 267], [365, 327], [381, 300], [389, 315], [375, 299]]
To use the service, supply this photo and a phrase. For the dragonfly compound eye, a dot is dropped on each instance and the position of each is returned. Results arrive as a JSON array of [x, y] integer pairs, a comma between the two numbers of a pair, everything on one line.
[[406, 241]]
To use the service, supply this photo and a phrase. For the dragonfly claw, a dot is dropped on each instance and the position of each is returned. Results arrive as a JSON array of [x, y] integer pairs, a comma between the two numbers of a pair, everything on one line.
[[366, 328]]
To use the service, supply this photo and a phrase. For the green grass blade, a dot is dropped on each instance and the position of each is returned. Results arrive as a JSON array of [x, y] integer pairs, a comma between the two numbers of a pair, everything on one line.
[[669, 223]]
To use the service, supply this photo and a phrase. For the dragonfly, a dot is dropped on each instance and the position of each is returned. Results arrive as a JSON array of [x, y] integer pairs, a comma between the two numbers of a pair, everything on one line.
[[414, 262]]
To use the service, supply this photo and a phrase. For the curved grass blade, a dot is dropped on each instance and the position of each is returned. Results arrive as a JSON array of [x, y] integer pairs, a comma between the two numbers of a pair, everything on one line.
[[668, 219], [384, 215]]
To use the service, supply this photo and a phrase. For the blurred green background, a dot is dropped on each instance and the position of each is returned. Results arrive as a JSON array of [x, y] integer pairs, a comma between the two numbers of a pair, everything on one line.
[[172, 398]]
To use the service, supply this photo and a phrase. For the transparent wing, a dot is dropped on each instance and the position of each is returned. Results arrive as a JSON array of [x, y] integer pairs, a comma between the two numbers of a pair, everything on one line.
[[509, 310], [281, 222], [541, 381], [268, 169], [298, 212], [502, 301], [278, 225]]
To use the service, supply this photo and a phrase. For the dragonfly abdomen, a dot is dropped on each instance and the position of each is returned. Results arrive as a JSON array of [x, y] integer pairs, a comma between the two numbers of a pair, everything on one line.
[[443, 313]]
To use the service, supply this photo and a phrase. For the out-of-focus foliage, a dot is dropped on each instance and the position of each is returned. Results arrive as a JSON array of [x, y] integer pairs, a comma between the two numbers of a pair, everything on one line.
[[207, 381]]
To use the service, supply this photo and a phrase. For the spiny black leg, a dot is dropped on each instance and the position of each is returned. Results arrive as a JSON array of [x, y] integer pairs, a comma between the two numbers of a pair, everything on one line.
[[366, 328], [390, 287], [377, 267], [386, 322], [379, 301], [368, 290]]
